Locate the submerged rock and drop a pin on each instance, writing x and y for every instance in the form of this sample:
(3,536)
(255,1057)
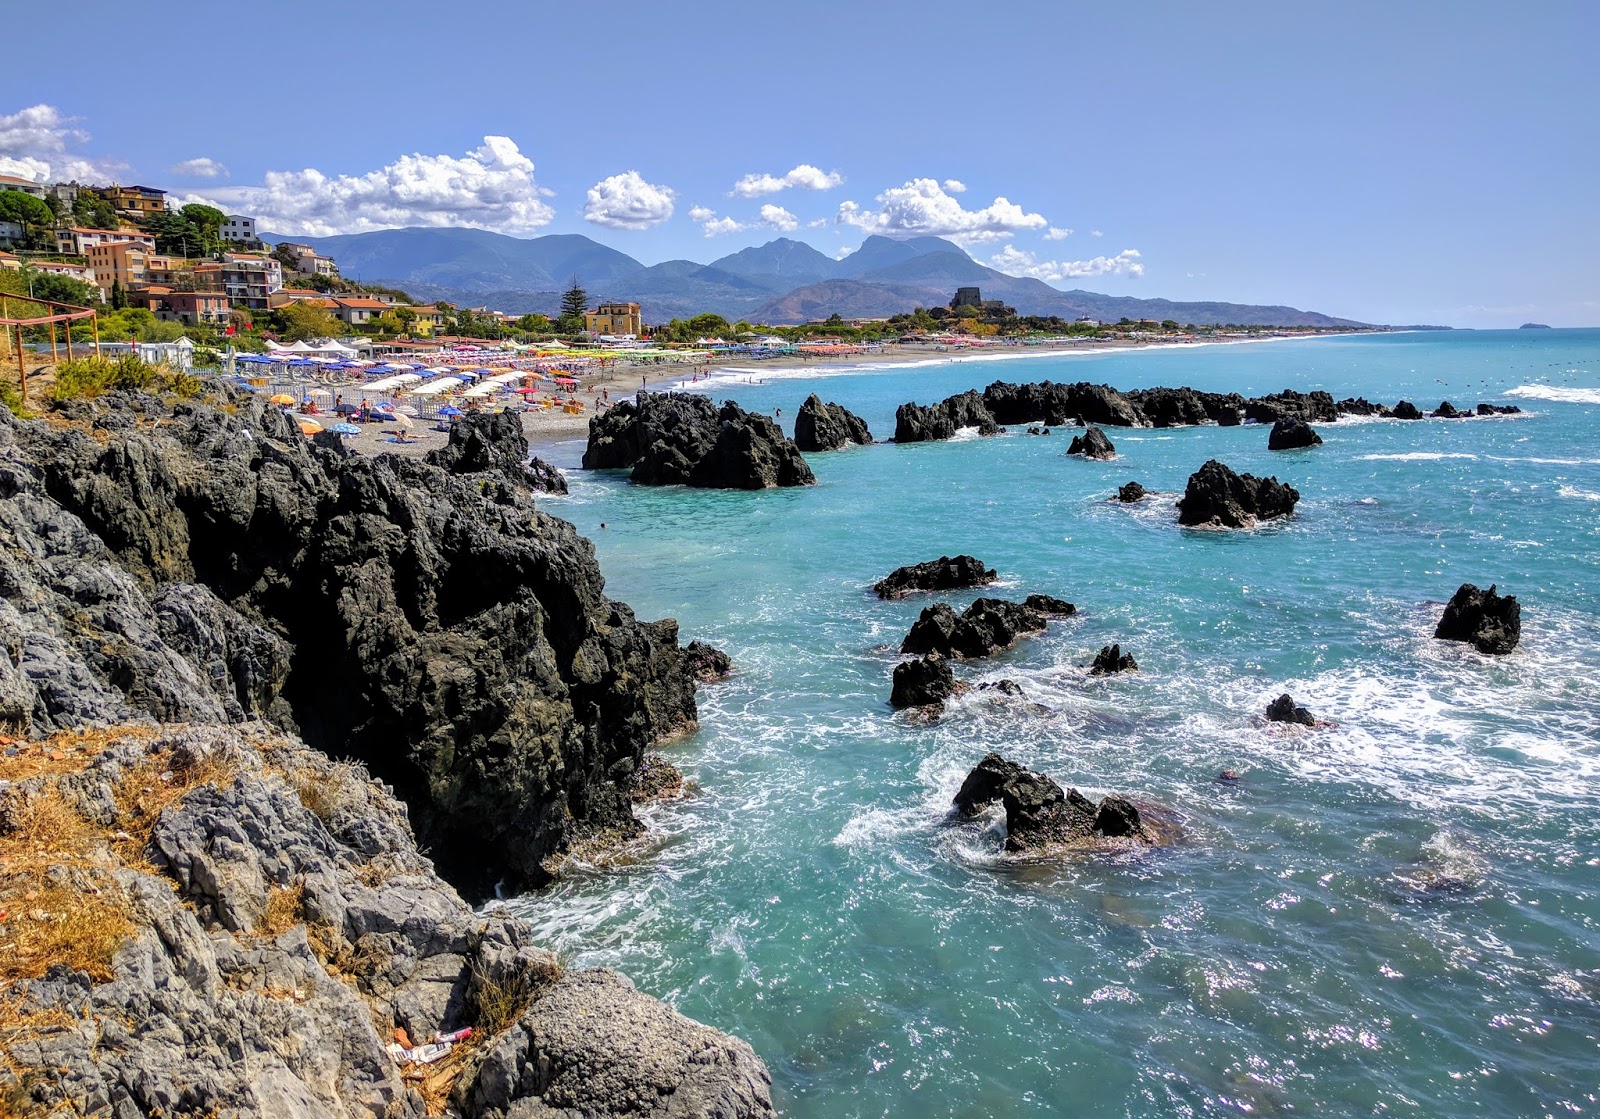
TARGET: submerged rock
(1283,710)
(1490,621)
(706,663)
(925,682)
(1130,492)
(985,627)
(1291,434)
(1041,816)
(828,427)
(946,573)
(684,439)
(1092,444)
(914,423)
(1111,659)
(1216,496)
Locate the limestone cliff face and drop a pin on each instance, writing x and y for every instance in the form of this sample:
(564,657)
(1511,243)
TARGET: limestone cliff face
(204,561)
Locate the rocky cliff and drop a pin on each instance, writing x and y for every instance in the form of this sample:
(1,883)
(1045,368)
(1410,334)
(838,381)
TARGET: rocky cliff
(683,439)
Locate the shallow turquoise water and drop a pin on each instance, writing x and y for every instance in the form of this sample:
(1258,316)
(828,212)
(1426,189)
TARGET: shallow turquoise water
(816,898)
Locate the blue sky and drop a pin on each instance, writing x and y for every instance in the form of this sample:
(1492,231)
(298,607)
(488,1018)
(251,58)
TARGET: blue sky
(1390,162)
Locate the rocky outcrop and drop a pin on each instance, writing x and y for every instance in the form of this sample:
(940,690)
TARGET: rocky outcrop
(926,682)
(1092,444)
(1043,818)
(706,663)
(1487,620)
(914,423)
(1111,660)
(262,932)
(1292,434)
(683,439)
(1361,406)
(828,427)
(1498,410)
(1129,492)
(1307,407)
(985,627)
(1283,710)
(1164,407)
(943,574)
(1050,606)
(204,562)
(494,443)
(1448,411)
(1405,410)
(1217,497)
(545,478)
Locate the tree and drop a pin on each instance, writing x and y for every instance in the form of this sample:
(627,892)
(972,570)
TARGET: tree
(35,217)
(574,302)
(93,211)
(406,317)
(59,289)
(119,298)
(303,322)
(207,221)
(534,323)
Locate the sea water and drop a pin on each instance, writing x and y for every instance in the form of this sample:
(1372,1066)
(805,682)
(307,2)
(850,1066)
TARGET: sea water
(1392,914)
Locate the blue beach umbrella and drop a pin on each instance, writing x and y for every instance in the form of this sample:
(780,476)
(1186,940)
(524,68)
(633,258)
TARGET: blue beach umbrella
(451,410)
(345,429)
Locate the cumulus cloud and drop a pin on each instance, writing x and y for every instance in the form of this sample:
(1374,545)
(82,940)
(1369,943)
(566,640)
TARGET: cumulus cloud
(203,167)
(1095,233)
(955,186)
(1056,233)
(44,144)
(1019,262)
(922,207)
(805,177)
(701,213)
(626,201)
(845,251)
(778,218)
(771,217)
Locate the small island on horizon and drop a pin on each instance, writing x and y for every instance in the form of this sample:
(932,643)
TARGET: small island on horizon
(1534,326)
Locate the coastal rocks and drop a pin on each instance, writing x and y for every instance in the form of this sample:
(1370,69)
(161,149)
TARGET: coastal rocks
(684,439)
(1361,406)
(494,442)
(1405,410)
(1111,660)
(1164,407)
(1290,434)
(1130,492)
(1050,606)
(988,625)
(943,574)
(706,663)
(1487,620)
(1043,818)
(1311,407)
(1092,444)
(1498,410)
(926,682)
(545,478)
(914,423)
(828,427)
(656,779)
(1217,497)
(1448,411)
(1283,710)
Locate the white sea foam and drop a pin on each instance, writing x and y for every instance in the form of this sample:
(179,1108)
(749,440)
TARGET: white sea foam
(1557,393)
(1581,495)
(1417,456)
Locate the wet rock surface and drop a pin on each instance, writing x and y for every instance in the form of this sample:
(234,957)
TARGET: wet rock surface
(1487,620)
(706,663)
(1405,410)
(1130,492)
(1092,444)
(925,682)
(1291,434)
(828,427)
(985,627)
(947,573)
(1217,497)
(1043,818)
(684,439)
(1111,660)
(1284,710)
(915,423)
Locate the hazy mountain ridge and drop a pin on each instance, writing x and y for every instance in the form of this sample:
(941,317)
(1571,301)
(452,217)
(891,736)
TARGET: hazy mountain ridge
(782,281)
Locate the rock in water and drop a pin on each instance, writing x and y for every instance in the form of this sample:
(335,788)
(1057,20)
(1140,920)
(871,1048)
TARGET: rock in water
(545,477)
(1041,816)
(1216,496)
(988,625)
(828,427)
(1290,434)
(925,682)
(1111,659)
(1448,411)
(1129,492)
(1498,410)
(1405,410)
(1283,710)
(1490,621)
(943,574)
(914,423)
(683,439)
(1092,444)
(706,663)
(1050,606)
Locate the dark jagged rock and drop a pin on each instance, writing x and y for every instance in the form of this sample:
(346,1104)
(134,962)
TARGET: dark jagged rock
(494,442)
(988,625)
(1092,444)
(265,884)
(1291,434)
(1498,410)
(1038,430)
(1111,659)
(684,439)
(1129,492)
(1164,407)
(828,427)
(1405,410)
(190,562)
(1217,496)
(925,682)
(1041,816)
(1050,606)
(544,477)
(1283,710)
(706,663)
(1004,687)
(1490,621)
(943,574)
(1448,411)
(656,779)
(1361,406)
(914,423)
(1308,407)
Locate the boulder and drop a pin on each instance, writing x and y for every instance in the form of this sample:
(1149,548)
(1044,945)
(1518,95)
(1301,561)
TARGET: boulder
(1092,444)
(828,427)
(544,477)
(706,663)
(925,682)
(985,627)
(1498,410)
(1004,687)
(1405,410)
(914,423)
(1448,411)
(1041,817)
(1283,710)
(1308,407)
(1036,430)
(946,573)
(1490,621)
(1361,406)
(684,439)
(487,442)
(1217,497)
(1050,606)
(1129,492)
(1291,434)
(1111,659)
(1164,407)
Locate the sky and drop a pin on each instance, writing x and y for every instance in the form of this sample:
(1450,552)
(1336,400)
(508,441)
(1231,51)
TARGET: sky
(1391,162)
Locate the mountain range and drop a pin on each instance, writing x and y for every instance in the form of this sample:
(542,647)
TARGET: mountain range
(781,282)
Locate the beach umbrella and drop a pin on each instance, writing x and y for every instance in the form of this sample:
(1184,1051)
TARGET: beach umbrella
(281,398)
(345,429)
(529,391)
(451,410)
(407,410)
(346,409)
(321,394)
(309,427)
(402,421)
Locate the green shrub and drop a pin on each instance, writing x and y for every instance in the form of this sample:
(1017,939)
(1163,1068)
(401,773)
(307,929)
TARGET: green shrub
(91,376)
(11,397)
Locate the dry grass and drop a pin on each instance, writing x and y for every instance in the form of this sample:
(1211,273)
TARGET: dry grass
(285,909)
(154,785)
(68,751)
(326,791)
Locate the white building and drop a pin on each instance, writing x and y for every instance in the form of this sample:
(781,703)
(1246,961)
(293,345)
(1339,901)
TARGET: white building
(236,227)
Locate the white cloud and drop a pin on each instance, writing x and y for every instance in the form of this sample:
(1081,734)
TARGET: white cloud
(819,223)
(922,207)
(203,167)
(1018,262)
(845,251)
(1095,233)
(1056,233)
(955,186)
(771,217)
(804,176)
(778,218)
(491,187)
(41,143)
(626,201)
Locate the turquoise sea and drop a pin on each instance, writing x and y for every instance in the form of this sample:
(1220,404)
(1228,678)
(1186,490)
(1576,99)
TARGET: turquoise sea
(1396,915)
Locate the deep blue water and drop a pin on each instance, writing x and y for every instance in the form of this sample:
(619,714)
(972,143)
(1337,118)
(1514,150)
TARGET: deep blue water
(817,899)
